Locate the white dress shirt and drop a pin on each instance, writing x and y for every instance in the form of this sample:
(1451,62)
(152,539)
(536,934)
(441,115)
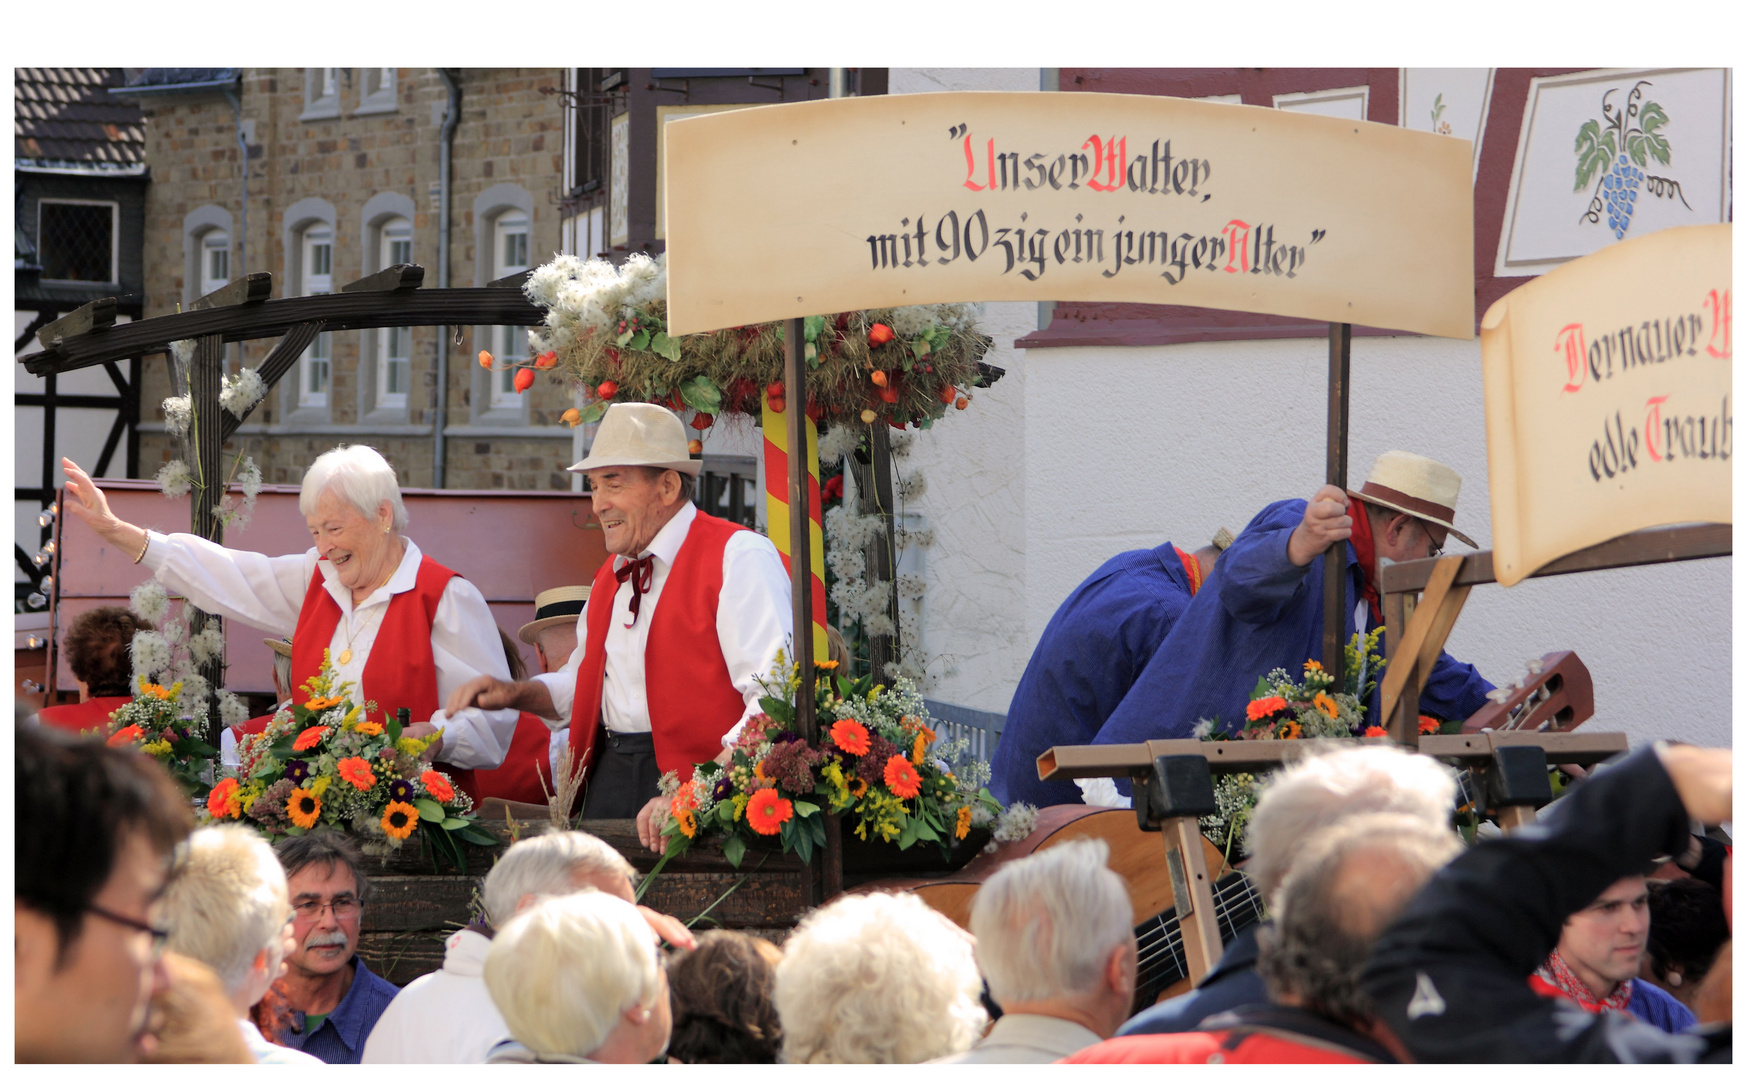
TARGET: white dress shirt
(267,592)
(753,621)
(444,1018)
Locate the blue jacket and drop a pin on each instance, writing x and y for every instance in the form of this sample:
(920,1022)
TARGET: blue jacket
(1654,1005)
(1101,637)
(340,1036)
(1254,613)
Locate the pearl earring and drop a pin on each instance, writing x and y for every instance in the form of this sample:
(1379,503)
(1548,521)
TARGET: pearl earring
(1674,978)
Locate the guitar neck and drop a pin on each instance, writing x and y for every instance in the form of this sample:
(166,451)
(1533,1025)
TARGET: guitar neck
(1162,960)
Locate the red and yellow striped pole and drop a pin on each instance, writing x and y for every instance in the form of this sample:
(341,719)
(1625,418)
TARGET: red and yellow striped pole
(776,501)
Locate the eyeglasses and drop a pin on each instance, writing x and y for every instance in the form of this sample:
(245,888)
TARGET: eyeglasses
(160,936)
(343,907)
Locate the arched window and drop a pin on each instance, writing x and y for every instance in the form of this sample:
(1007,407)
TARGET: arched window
(394,343)
(215,260)
(318,280)
(509,343)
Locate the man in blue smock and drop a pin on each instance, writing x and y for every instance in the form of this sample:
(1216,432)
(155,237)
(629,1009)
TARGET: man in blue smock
(1263,610)
(1095,645)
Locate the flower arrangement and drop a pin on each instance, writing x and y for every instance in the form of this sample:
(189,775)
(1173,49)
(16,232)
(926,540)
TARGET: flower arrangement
(323,763)
(606,327)
(878,762)
(156,723)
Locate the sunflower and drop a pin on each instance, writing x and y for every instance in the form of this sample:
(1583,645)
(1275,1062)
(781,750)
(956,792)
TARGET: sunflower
(857,787)
(1326,706)
(850,737)
(964,823)
(687,821)
(303,808)
(399,820)
(766,811)
(825,665)
(320,704)
(902,778)
(1291,729)
(368,727)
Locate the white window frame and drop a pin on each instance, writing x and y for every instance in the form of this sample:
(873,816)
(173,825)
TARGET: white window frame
(380,88)
(316,370)
(213,242)
(395,246)
(321,94)
(509,343)
(114,237)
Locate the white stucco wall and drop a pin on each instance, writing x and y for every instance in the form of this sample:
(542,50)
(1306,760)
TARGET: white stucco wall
(1080,453)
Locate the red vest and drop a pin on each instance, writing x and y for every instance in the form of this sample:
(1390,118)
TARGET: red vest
(402,674)
(528,761)
(692,699)
(83,717)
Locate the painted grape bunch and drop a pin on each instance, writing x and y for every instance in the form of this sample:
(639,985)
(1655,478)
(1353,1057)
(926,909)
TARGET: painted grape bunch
(1617,147)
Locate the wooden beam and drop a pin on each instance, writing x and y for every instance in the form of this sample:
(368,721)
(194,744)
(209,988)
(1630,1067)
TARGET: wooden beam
(1334,560)
(398,276)
(273,369)
(1402,663)
(95,316)
(275,318)
(245,290)
(513,281)
(1645,547)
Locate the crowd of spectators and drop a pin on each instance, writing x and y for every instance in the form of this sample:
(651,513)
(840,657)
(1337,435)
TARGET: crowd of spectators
(1601,934)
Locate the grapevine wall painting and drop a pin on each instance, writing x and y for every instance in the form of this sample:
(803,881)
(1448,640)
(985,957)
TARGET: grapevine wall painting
(1447,101)
(1605,156)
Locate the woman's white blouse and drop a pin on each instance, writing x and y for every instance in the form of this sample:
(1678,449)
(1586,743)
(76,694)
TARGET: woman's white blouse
(267,592)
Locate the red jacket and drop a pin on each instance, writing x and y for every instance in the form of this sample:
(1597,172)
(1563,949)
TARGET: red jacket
(83,717)
(1248,1035)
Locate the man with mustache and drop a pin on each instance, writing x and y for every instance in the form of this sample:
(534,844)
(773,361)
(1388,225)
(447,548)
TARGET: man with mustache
(682,623)
(335,999)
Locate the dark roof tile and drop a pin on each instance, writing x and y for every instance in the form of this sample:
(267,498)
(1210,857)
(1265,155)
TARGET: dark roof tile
(67,115)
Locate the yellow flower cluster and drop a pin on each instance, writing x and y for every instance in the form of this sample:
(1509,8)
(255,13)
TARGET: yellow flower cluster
(836,787)
(883,812)
(319,786)
(158,749)
(740,805)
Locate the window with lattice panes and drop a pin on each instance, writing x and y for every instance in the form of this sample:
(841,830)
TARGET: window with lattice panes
(510,343)
(394,343)
(75,240)
(318,280)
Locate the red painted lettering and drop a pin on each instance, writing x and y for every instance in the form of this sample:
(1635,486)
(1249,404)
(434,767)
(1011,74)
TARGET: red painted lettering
(1722,323)
(1653,421)
(1570,342)
(970,166)
(1237,246)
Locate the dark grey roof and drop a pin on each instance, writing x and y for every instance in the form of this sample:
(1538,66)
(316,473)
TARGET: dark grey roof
(66,116)
(168,77)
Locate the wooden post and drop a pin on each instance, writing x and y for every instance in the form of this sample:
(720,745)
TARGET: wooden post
(1193,890)
(1334,563)
(876,496)
(206,459)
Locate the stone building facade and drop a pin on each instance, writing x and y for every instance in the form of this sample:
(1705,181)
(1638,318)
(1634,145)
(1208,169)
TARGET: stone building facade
(342,169)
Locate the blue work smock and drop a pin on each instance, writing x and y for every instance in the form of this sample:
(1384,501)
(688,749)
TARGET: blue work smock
(1095,645)
(1257,612)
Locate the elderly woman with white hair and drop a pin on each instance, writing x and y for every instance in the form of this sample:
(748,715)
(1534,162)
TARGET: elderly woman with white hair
(363,584)
(579,979)
(229,908)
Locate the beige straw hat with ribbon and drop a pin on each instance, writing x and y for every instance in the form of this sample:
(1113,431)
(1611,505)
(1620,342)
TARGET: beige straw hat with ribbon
(639,433)
(1417,486)
(554,607)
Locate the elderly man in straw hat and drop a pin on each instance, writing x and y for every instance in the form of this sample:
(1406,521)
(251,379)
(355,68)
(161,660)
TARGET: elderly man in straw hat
(529,769)
(1263,609)
(684,618)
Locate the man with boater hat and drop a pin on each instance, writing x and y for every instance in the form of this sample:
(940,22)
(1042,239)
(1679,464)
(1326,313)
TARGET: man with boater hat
(683,620)
(528,770)
(1264,608)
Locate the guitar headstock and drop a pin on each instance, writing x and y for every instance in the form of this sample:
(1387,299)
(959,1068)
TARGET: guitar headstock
(1555,694)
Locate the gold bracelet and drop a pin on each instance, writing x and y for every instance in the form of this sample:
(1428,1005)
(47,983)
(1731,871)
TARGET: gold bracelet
(143,547)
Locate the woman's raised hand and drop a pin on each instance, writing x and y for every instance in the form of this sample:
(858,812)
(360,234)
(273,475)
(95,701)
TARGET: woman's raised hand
(90,505)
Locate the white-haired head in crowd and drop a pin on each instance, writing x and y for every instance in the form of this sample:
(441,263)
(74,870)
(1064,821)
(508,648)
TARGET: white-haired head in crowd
(1324,789)
(880,978)
(552,865)
(1058,926)
(360,476)
(580,977)
(228,908)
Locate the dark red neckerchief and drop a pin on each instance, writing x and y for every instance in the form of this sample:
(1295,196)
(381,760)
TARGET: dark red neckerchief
(1555,978)
(1192,567)
(1366,548)
(640,573)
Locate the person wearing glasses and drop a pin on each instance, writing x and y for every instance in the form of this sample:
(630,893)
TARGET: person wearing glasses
(1264,608)
(335,999)
(230,910)
(95,829)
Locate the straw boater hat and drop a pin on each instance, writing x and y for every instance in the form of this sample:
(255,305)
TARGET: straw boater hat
(639,433)
(282,646)
(554,607)
(1417,486)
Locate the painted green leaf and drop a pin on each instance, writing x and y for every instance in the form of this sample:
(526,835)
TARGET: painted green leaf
(1590,156)
(429,809)
(1635,148)
(1651,117)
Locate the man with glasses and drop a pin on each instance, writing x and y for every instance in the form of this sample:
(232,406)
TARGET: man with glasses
(1264,608)
(95,830)
(335,998)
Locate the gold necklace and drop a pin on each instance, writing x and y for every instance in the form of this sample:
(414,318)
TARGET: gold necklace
(352,634)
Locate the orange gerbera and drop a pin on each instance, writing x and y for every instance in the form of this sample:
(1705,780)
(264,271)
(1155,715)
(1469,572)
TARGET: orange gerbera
(825,665)
(126,735)
(304,808)
(1267,706)
(1326,705)
(1375,732)
(223,800)
(321,703)
(367,727)
(309,737)
(964,823)
(766,811)
(686,798)
(902,778)
(399,820)
(437,785)
(1428,725)
(357,772)
(850,737)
